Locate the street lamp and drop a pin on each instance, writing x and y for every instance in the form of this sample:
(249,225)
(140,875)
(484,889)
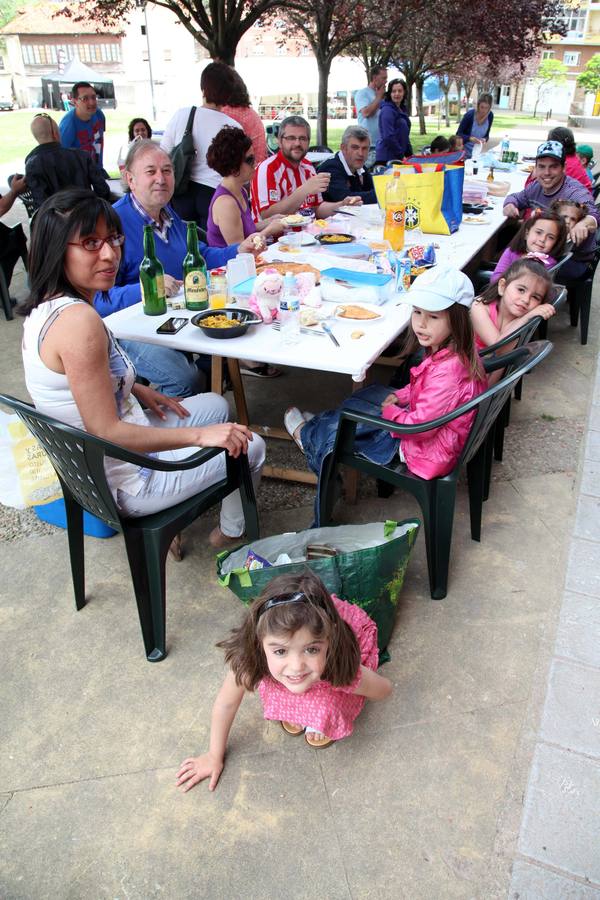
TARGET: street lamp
(141,4)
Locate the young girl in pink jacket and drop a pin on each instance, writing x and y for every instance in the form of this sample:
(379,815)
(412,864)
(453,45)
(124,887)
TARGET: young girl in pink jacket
(451,374)
(519,295)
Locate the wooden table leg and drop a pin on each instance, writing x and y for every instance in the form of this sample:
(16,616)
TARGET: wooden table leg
(216,374)
(350,476)
(238,391)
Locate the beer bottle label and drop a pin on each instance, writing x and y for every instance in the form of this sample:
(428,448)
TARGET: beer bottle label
(195,287)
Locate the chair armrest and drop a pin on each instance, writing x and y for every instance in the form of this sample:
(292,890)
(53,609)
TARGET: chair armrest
(519,353)
(379,422)
(163,465)
(561,291)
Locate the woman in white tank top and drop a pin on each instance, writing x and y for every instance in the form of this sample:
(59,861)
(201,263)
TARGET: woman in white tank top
(76,371)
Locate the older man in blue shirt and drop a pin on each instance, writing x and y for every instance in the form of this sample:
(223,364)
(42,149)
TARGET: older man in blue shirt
(149,174)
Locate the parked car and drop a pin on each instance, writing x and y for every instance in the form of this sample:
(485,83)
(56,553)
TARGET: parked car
(6,103)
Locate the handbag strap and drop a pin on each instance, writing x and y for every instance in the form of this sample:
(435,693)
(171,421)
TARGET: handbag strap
(190,121)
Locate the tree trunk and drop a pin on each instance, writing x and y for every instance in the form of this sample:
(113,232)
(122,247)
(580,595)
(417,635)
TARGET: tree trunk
(419,85)
(324,67)
(459,110)
(223,46)
(409,91)
(445,90)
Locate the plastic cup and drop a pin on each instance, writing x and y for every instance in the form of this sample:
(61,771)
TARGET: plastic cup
(294,241)
(217,296)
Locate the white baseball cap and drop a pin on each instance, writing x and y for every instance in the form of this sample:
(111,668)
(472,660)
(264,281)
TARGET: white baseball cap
(440,287)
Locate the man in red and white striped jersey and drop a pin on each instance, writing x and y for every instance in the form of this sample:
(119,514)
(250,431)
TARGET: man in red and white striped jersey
(287,182)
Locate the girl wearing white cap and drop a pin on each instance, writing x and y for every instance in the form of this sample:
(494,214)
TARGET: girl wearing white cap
(451,374)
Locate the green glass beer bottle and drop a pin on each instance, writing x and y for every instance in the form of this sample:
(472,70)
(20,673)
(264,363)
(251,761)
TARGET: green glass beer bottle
(152,278)
(195,287)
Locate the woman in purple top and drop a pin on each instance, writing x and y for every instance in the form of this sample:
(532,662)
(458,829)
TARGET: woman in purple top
(229,214)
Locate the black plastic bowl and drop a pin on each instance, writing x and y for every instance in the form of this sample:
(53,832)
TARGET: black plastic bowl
(241,320)
(325,239)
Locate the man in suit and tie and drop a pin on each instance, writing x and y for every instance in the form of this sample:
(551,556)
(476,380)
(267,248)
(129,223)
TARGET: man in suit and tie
(347,168)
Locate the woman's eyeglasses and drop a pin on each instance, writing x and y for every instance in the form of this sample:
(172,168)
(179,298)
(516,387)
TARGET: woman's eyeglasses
(93,245)
(250,160)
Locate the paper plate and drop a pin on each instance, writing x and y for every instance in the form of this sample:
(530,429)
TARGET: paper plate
(357,321)
(307,239)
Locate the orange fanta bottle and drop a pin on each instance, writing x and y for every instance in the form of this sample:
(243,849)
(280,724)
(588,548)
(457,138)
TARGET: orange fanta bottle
(395,207)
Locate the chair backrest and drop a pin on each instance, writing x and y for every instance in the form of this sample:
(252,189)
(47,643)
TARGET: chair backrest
(521,336)
(320,148)
(517,363)
(26,198)
(78,458)
(560,262)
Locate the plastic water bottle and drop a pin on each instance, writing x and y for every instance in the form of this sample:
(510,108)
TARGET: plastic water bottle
(289,311)
(504,148)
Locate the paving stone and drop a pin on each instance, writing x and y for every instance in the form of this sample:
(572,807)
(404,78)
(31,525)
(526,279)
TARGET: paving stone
(578,635)
(590,478)
(531,882)
(594,419)
(587,518)
(583,569)
(571,714)
(560,818)
(592,448)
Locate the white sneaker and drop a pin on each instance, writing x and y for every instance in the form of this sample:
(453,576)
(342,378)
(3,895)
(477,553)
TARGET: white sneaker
(293,421)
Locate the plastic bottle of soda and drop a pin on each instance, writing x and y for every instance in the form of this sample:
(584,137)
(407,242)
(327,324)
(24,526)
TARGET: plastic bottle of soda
(289,311)
(395,208)
(152,278)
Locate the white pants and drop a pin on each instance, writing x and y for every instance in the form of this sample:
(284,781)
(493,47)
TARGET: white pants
(164,489)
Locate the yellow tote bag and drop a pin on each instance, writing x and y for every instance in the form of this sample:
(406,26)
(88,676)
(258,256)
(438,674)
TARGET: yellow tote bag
(430,205)
(27,477)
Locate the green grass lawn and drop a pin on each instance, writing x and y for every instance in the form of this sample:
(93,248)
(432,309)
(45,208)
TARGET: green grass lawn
(17,140)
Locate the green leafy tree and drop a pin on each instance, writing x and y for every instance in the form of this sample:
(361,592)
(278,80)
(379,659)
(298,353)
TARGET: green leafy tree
(589,79)
(8,10)
(550,72)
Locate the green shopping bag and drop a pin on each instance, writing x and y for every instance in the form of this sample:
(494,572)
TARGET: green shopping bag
(368,569)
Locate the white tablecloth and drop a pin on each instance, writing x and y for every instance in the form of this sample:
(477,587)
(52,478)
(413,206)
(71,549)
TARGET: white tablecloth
(353,357)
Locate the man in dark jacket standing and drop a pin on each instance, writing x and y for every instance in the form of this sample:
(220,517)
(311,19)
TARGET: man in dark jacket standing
(50,167)
(348,175)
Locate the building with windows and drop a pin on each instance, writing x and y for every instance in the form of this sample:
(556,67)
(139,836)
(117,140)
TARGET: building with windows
(280,71)
(39,43)
(574,50)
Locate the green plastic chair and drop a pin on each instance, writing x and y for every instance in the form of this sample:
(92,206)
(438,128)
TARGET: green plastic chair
(580,297)
(436,496)
(78,458)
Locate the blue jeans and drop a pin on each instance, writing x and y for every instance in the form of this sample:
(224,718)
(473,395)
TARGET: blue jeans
(375,444)
(173,373)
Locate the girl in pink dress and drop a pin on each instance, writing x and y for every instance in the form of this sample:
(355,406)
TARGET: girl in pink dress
(312,658)
(519,295)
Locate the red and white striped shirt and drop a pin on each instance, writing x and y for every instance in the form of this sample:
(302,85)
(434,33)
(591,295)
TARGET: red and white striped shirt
(277,178)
